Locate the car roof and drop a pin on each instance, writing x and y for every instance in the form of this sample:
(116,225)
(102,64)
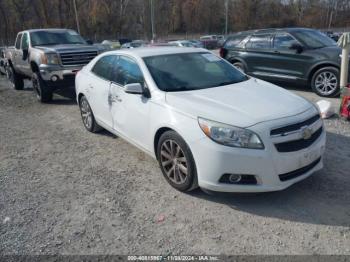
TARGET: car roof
(273,30)
(47,29)
(154,51)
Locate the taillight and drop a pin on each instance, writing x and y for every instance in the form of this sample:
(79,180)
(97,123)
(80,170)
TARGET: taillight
(223,52)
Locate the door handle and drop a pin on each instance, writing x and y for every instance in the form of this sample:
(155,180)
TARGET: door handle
(277,52)
(113,98)
(90,86)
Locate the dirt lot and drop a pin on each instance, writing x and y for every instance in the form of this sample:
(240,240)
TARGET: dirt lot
(64,190)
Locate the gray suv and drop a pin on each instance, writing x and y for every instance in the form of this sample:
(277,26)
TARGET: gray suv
(298,55)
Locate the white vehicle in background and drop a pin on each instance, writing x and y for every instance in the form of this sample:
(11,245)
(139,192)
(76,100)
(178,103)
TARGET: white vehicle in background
(207,124)
(182,43)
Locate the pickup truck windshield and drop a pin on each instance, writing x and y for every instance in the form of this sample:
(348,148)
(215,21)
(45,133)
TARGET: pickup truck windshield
(191,71)
(314,39)
(55,38)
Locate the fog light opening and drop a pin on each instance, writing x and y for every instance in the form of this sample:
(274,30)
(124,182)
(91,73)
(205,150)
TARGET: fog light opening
(234,178)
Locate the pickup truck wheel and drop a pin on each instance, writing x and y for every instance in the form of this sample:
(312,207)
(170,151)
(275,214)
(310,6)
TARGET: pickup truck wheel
(325,82)
(15,79)
(88,116)
(43,92)
(176,162)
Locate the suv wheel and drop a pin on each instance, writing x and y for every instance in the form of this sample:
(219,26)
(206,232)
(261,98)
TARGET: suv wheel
(239,66)
(176,162)
(43,92)
(15,79)
(87,116)
(325,82)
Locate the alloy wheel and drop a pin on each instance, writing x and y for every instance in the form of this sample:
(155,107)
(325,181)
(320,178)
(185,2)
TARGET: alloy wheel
(326,83)
(174,162)
(86,113)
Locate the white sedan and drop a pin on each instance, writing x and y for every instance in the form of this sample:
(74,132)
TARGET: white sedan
(207,124)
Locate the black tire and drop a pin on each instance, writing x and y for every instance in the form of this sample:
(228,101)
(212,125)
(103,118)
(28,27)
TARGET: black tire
(190,181)
(43,92)
(239,66)
(15,79)
(85,110)
(324,88)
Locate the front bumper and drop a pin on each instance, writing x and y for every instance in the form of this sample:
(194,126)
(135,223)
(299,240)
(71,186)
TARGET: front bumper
(214,160)
(58,76)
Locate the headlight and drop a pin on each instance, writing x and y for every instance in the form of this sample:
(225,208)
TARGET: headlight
(50,59)
(230,135)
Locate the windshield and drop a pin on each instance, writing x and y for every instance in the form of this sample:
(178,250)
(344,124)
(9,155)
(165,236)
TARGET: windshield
(191,71)
(314,39)
(56,38)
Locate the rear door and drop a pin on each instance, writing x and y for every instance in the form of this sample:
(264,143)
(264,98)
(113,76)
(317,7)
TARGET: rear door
(98,88)
(258,56)
(17,53)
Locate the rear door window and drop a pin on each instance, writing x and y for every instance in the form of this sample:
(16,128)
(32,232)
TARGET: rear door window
(234,41)
(103,67)
(261,41)
(18,41)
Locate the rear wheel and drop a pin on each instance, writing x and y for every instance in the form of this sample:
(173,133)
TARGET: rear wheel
(325,82)
(87,116)
(43,92)
(176,162)
(15,79)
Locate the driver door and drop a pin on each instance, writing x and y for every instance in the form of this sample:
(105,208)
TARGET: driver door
(130,112)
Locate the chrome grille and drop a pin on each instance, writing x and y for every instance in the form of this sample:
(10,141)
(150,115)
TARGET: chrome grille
(77,58)
(297,136)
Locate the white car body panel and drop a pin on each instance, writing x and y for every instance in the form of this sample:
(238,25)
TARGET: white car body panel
(256,104)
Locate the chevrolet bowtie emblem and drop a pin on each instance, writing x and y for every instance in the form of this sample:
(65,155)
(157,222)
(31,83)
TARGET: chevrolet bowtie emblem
(306,132)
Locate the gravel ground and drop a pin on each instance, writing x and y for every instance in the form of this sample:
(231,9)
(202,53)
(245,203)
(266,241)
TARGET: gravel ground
(66,191)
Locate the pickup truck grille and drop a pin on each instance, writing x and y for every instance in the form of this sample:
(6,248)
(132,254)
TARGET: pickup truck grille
(77,58)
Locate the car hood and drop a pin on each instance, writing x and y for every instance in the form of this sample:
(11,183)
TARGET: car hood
(68,48)
(242,104)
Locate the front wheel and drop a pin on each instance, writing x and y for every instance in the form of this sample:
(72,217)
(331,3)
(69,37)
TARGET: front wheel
(43,92)
(176,162)
(325,82)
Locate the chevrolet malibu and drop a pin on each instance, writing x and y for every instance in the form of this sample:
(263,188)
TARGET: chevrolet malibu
(207,123)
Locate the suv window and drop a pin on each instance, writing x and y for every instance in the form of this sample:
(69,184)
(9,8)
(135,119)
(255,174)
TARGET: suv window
(103,67)
(259,41)
(18,41)
(126,71)
(283,41)
(234,41)
(25,42)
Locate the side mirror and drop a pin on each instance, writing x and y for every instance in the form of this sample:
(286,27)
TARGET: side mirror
(89,42)
(25,54)
(297,47)
(134,88)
